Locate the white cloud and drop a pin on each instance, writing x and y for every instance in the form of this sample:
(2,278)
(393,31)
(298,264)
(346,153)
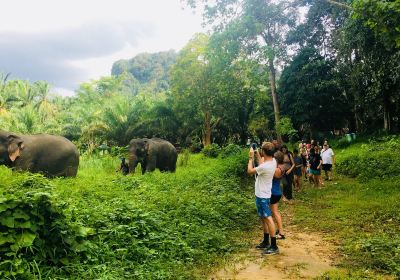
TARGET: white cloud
(68,42)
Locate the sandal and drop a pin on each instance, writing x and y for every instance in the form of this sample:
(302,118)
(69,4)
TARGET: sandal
(279,236)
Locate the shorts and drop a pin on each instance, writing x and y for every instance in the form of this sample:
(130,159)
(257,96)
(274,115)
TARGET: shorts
(275,199)
(297,171)
(315,171)
(263,207)
(327,167)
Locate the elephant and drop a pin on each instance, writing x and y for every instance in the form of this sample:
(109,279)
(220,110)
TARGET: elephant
(53,156)
(151,154)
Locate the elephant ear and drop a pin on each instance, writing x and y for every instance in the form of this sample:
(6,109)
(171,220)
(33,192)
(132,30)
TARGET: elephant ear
(15,146)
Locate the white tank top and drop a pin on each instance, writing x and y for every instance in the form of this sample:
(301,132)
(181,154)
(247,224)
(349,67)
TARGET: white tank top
(265,173)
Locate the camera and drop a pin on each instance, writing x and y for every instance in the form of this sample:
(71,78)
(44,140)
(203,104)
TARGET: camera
(254,146)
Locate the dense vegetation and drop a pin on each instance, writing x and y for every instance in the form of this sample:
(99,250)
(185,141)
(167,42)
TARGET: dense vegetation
(261,73)
(309,77)
(147,70)
(102,225)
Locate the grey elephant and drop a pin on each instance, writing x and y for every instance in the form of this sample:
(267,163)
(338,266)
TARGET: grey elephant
(151,154)
(53,156)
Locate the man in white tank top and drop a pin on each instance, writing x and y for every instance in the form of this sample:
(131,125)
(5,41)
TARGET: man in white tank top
(265,173)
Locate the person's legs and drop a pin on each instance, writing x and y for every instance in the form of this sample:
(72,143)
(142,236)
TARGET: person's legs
(299,185)
(263,212)
(326,174)
(317,180)
(289,188)
(321,181)
(263,208)
(284,187)
(278,218)
(329,172)
(273,248)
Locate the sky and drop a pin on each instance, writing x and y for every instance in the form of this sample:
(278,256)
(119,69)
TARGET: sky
(67,42)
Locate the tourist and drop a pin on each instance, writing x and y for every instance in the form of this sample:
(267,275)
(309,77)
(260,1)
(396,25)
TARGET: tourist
(315,163)
(328,159)
(277,194)
(287,180)
(298,165)
(263,187)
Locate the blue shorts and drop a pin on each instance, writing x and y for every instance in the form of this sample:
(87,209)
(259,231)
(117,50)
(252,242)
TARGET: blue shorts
(263,207)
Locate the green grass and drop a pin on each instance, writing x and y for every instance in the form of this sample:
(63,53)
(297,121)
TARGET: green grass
(157,226)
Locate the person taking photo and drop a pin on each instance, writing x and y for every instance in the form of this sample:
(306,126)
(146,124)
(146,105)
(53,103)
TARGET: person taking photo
(265,172)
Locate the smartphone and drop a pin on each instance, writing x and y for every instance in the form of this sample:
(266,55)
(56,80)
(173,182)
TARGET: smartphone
(254,146)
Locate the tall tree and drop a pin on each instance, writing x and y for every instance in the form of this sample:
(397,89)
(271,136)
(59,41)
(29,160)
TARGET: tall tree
(192,85)
(261,27)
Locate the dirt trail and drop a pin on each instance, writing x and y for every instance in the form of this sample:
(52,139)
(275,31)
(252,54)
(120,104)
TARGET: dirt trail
(302,256)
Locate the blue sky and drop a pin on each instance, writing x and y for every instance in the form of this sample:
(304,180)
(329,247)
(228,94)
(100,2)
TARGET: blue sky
(69,42)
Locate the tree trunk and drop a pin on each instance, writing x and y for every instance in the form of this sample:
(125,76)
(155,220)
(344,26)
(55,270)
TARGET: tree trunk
(386,115)
(207,129)
(272,82)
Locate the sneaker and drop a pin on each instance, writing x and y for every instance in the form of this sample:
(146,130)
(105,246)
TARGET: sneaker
(262,245)
(271,251)
(279,236)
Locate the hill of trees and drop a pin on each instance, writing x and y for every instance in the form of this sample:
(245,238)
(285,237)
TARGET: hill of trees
(148,69)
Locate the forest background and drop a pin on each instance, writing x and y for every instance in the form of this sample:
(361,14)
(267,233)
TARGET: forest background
(300,69)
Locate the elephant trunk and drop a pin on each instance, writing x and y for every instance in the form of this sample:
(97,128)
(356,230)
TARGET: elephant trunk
(133,162)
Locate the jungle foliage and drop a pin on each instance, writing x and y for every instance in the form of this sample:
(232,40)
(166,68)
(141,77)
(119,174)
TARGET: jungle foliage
(102,225)
(261,61)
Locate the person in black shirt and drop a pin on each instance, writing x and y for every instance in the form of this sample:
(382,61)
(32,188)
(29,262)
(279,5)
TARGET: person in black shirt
(315,162)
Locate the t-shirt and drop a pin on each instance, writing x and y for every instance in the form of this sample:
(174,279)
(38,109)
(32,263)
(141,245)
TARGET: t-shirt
(327,156)
(314,161)
(297,161)
(265,172)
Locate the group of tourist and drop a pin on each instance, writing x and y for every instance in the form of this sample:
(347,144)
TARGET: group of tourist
(274,164)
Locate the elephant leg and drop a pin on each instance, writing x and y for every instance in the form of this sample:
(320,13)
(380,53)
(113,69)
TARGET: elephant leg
(143,165)
(151,164)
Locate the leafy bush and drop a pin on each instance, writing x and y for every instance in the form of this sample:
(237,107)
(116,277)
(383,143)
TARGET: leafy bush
(231,149)
(34,228)
(372,160)
(236,165)
(212,150)
(342,143)
(184,158)
(196,147)
(285,127)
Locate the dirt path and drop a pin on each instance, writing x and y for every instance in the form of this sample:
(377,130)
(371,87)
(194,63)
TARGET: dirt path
(302,256)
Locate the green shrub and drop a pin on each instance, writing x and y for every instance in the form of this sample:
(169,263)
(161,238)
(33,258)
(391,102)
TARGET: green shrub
(212,150)
(184,157)
(342,143)
(196,147)
(236,165)
(231,149)
(372,160)
(34,228)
